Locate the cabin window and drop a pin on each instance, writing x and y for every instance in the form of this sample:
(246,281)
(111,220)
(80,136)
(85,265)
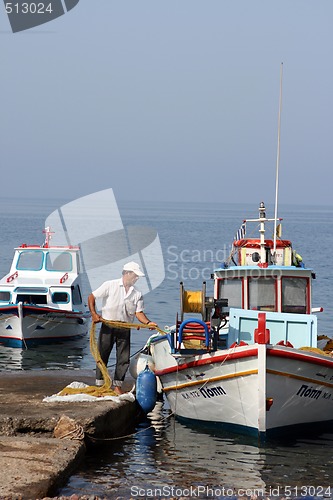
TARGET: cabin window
(58,261)
(77,297)
(60,298)
(262,294)
(31,295)
(31,299)
(30,260)
(4,296)
(231,289)
(294,295)
(30,290)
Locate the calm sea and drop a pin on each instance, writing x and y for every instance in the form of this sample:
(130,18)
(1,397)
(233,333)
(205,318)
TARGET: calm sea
(165,458)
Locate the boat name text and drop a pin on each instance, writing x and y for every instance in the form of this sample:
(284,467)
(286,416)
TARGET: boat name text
(308,392)
(211,392)
(206,392)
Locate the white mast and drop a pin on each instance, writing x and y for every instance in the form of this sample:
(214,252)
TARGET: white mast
(277,162)
(262,220)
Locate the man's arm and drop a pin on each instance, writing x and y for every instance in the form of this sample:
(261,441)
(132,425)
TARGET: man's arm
(96,318)
(143,319)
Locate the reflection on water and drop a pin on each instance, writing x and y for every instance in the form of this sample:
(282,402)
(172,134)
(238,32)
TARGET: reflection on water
(69,355)
(62,355)
(165,458)
(163,452)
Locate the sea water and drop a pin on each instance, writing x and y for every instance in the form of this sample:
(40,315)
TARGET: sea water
(164,458)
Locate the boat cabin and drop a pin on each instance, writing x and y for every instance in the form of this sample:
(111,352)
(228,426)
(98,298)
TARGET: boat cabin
(274,288)
(43,276)
(263,274)
(260,276)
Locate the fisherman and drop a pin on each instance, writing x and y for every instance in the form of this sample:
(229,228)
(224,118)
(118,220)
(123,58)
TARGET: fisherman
(120,302)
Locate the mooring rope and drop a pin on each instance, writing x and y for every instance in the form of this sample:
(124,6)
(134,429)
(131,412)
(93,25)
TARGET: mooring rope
(133,433)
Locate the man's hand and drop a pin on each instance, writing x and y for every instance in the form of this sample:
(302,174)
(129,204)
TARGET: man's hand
(96,318)
(146,321)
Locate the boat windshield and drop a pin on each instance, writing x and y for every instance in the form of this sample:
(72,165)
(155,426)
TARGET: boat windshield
(294,295)
(262,294)
(231,289)
(30,260)
(58,261)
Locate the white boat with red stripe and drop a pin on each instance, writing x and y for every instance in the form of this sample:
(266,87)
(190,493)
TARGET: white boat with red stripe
(41,296)
(249,361)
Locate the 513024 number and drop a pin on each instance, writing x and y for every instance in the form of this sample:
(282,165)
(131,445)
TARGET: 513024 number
(28,8)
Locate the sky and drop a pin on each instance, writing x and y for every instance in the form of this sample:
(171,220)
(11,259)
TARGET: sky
(172,100)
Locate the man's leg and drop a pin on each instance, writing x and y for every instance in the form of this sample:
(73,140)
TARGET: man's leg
(122,337)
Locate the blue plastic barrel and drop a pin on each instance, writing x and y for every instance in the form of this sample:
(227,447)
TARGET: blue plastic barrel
(146,390)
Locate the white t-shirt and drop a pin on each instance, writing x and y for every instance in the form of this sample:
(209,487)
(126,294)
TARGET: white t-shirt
(117,305)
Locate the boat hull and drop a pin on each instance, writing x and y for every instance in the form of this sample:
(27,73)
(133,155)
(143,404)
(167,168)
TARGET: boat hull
(255,389)
(21,326)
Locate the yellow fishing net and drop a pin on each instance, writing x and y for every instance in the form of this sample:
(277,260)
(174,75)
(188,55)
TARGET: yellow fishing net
(105,389)
(313,349)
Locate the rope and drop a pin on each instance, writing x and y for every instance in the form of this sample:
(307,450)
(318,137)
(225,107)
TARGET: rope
(92,390)
(105,389)
(123,324)
(77,434)
(129,435)
(192,301)
(67,428)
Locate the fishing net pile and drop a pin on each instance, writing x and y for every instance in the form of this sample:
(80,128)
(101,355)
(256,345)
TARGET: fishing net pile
(325,349)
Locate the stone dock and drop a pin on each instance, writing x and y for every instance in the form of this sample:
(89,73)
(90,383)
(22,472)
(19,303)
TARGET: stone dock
(33,462)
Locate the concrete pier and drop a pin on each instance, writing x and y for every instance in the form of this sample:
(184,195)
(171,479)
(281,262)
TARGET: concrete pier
(34,463)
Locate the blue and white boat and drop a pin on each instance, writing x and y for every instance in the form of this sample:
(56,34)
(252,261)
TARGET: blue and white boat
(41,296)
(248,358)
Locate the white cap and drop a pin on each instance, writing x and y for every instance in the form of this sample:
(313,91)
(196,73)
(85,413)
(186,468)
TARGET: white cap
(134,267)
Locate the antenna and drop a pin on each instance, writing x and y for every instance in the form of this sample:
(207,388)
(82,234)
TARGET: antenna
(277,161)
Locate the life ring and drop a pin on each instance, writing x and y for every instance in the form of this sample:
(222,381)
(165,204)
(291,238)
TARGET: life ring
(255,243)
